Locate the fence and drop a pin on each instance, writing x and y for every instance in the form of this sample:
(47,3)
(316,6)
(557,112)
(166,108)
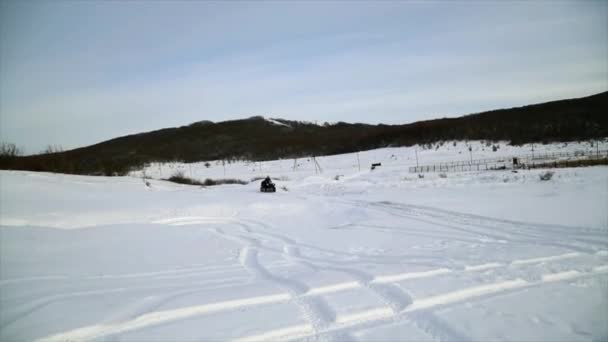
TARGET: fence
(553,159)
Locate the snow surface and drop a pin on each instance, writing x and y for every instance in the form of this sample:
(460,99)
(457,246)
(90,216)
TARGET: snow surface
(275,122)
(345,254)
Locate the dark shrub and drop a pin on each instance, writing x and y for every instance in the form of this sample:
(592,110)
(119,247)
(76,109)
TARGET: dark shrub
(179,178)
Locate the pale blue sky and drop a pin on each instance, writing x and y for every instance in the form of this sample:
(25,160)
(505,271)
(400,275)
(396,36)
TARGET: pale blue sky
(77,73)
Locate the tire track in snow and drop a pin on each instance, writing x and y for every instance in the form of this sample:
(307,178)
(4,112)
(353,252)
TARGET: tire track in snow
(419,260)
(537,232)
(374,317)
(161,317)
(314,309)
(341,322)
(483,221)
(436,327)
(393,296)
(390,294)
(496,229)
(290,250)
(445,234)
(5,282)
(29,308)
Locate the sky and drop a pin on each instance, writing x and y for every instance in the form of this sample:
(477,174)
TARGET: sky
(74,73)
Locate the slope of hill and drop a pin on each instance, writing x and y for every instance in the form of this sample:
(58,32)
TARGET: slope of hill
(257,138)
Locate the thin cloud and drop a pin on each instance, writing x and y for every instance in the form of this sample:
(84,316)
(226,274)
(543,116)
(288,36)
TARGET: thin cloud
(85,72)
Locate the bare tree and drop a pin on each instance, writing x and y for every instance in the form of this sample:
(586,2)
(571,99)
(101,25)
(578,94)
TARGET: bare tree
(9,150)
(52,149)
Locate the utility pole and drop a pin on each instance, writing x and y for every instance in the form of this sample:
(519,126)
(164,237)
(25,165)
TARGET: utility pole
(471,153)
(532,151)
(318,169)
(358,162)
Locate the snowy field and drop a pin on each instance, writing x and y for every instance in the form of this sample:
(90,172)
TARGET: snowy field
(343,254)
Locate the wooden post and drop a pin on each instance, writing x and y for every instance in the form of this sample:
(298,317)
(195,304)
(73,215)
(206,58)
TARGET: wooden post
(359,162)
(317,164)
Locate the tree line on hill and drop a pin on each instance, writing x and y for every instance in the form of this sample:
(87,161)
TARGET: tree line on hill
(256,138)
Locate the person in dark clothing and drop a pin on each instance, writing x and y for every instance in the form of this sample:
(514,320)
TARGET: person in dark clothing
(267,185)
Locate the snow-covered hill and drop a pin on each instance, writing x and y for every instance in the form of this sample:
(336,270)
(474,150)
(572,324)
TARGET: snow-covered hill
(342,254)
(397,159)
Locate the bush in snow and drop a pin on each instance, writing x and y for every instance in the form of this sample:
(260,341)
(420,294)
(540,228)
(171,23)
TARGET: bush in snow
(546,176)
(180,178)
(210,182)
(443,175)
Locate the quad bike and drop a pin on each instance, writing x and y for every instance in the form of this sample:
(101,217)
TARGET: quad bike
(268,187)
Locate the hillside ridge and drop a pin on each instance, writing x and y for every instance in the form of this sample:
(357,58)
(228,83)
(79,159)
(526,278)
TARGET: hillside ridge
(264,138)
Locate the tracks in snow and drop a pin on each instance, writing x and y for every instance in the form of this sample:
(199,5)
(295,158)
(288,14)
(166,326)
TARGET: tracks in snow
(418,311)
(314,309)
(341,322)
(581,239)
(321,319)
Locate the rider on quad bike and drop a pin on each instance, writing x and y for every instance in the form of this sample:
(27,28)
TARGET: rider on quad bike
(267,185)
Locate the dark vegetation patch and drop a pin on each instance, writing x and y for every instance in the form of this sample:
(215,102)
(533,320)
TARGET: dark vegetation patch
(211,182)
(180,178)
(257,139)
